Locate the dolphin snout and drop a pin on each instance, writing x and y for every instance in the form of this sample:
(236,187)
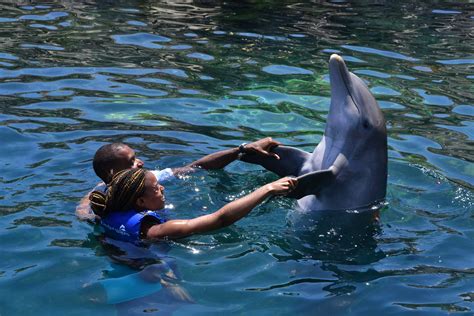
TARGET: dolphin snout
(339,76)
(336,57)
(338,68)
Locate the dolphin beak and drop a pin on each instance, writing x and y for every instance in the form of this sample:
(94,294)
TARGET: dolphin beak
(339,75)
(341,84)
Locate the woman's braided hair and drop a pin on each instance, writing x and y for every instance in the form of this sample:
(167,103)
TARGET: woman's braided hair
(122,192)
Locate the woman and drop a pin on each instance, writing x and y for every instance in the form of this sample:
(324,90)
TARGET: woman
(128,208)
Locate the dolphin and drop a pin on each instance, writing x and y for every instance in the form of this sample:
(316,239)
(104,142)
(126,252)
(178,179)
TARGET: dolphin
(348,168)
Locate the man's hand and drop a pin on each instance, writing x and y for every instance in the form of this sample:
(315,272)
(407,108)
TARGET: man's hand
(262,147)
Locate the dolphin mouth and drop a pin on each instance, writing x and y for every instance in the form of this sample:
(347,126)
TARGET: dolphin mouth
(339,72)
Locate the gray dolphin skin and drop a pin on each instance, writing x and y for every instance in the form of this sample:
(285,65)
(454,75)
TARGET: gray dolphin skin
(348,168)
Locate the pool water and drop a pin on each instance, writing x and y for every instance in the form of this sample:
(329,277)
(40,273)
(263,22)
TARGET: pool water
(181,79)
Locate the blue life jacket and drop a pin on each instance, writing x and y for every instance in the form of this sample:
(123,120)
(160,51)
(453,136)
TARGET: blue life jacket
(126,225)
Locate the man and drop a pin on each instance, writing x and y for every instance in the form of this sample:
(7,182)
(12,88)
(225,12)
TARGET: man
(112,158)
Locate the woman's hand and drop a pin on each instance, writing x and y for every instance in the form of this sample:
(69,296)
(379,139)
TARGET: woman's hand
(282,186)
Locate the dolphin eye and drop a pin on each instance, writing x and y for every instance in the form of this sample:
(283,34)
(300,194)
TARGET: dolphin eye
(365,124)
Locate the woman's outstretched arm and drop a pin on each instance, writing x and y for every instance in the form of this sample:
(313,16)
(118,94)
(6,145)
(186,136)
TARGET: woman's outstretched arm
(227,215)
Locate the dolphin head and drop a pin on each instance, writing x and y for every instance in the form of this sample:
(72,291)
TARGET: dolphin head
(354,112)
(355,131)
(348,168)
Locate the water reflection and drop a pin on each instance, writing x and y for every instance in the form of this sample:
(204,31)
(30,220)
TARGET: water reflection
(347,237)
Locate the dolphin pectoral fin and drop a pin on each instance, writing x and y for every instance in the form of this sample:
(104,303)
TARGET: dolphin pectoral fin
(313,182)
(290,162)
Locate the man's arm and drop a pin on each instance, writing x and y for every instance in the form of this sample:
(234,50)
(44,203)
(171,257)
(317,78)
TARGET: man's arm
(222,158)
(83,209)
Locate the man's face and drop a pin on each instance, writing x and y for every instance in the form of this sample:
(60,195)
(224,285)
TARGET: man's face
(127,160)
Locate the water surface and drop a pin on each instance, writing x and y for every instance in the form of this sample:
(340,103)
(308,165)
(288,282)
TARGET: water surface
(180,80)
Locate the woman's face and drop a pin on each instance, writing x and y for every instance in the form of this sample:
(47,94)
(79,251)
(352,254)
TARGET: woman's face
(153,198)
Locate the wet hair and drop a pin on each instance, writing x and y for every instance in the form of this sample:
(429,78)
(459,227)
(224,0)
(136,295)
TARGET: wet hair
(106,158)
(122,192)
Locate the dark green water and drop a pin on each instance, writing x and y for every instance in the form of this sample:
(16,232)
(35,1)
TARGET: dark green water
(180,80)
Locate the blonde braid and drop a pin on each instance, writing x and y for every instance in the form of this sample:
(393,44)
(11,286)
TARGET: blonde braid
(98,202)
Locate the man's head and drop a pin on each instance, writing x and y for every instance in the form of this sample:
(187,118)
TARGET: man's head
(112,158)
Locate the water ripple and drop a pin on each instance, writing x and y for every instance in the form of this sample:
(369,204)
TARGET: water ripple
(456,61)
(434,99)
(201,56)
(438,11)
(383,53)
(286,70)
(43,46)
(46,17)
(141,39)
(43,26)
(7,20)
